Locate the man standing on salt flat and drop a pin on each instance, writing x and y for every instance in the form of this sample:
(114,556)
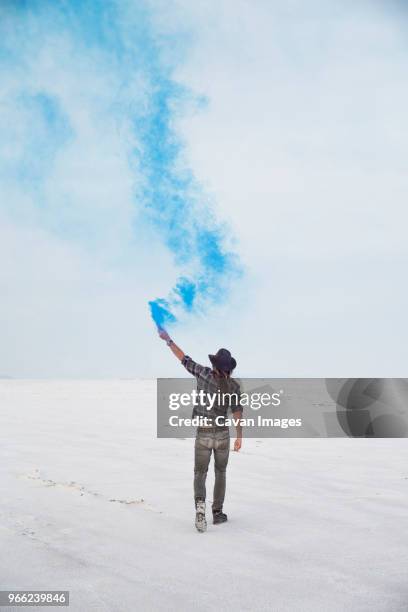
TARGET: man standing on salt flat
(215,437)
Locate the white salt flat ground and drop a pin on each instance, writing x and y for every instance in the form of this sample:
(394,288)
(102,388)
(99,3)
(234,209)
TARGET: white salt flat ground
(92,502)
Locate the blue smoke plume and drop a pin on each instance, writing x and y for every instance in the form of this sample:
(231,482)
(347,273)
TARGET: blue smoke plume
(176,204)
(127,44)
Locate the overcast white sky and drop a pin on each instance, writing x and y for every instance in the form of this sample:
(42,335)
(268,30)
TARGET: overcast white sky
(302,148)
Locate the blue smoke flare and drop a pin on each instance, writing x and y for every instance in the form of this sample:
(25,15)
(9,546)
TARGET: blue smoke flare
(120,41)
(176,205)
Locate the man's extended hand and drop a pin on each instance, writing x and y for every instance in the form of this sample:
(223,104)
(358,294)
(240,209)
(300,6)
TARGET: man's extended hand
(163,334)
(237,444)
(173,346)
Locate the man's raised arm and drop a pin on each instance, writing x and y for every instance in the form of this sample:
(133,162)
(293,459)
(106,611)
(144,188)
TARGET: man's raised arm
(191,366)
(173,346)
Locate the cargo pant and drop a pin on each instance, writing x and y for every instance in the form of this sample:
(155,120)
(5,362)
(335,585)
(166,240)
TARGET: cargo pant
(206,442)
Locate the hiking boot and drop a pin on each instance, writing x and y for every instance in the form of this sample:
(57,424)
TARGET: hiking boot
(219,517)
(200,520)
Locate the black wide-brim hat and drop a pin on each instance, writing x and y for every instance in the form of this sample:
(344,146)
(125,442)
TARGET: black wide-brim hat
(223,360)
